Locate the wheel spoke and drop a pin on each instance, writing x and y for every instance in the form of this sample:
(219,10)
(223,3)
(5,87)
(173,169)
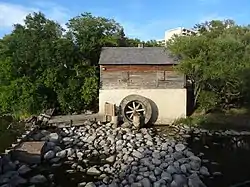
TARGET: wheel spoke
(131,116)
(134,105)
(140,110)
(129,112)
(130,107)
(138,106)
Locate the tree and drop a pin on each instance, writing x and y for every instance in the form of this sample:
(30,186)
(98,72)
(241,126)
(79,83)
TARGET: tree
(41,68)
(151,43)
(122,40)
(214,61)
(91,33)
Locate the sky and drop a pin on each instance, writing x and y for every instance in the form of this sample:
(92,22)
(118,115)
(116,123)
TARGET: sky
(143,19)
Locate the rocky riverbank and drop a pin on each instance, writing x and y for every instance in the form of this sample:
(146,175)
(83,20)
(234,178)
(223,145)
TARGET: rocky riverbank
(107,156)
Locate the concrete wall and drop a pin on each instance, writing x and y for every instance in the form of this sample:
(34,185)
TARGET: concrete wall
(169,104)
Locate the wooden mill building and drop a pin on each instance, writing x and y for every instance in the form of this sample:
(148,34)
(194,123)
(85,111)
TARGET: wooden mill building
(142,79)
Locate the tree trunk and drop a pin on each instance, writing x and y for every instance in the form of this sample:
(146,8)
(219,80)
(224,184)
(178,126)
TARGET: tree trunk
(197,90)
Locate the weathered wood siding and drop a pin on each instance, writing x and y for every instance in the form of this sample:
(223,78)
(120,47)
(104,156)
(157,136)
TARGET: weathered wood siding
(140,77)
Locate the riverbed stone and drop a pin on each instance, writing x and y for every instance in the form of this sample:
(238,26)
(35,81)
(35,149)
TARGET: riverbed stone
(177,155)
(204,171)
(90,184)
(111,159)
(17,180)
(180,147)
(24,169)
(166,176)
(5,178)
(49,155)
(93,171)
(137,154)
(171,169)
(183,168)
(38,179)
(8,166)
(195,181)
(157,162)
(145,182)
(53,137)
(127,157)
(180,179)
(152,178)
(157,171)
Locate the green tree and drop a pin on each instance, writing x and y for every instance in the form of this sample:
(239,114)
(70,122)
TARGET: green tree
(151,43)
(91,33)
(122,39)
(214,61)
(41,68)
(44,66)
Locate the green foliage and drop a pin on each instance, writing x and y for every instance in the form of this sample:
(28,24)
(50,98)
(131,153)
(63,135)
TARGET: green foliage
(216,61)
(134,43)
(208,100)
(91,33)
(39,69)
(44,66)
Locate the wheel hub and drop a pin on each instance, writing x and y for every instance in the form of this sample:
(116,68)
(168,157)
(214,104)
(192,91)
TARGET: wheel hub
(132,108)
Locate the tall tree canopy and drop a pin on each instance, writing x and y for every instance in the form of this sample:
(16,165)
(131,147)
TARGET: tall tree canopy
(43,66)
(90,33)
(40,68)
(216,60)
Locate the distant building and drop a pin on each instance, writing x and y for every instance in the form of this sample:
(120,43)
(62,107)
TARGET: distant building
(179,31)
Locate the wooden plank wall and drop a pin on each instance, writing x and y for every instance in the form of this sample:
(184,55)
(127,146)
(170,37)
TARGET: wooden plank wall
(140,77)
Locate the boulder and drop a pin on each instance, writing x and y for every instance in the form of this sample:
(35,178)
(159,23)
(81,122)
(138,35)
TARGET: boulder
(61,154)
(38,179)
(53,137)
(49,155)
(23,170)
(195,181)
(93,171)
(180,147)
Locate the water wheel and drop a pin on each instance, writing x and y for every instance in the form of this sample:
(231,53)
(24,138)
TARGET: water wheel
(136,103)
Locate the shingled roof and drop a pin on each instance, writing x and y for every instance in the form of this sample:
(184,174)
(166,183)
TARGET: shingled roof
(135,55)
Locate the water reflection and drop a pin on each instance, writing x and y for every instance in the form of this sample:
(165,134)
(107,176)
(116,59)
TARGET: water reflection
(228,157)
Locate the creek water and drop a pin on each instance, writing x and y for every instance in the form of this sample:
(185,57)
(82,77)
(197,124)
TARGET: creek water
(9,131)
(229,155)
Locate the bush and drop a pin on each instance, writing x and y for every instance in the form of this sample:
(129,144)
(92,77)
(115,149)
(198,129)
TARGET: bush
(208,100)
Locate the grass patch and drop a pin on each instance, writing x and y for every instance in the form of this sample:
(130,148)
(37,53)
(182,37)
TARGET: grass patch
(237,119)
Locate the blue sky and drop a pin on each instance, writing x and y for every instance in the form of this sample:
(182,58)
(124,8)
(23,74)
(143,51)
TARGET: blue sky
(144,19)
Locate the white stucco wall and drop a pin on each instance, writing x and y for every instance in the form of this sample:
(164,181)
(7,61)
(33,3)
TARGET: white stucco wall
(171,103)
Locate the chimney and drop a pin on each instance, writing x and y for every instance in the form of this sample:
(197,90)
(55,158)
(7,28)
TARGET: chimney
(140,45)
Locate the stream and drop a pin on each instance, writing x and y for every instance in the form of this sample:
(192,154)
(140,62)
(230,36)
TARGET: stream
(226,154)
(9,131)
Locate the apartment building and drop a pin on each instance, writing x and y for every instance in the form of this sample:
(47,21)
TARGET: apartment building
(180,31)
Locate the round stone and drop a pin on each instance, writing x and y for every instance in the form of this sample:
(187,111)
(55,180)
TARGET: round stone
(180,147)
